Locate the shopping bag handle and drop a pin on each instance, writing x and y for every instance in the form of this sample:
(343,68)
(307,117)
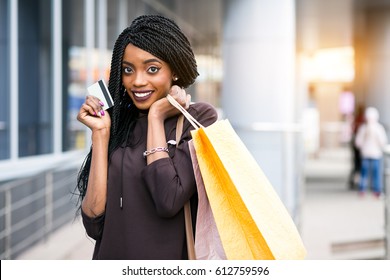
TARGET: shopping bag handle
(185,113)
(187,206)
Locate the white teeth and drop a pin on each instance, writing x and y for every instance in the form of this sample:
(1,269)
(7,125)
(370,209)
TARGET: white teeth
(140,95)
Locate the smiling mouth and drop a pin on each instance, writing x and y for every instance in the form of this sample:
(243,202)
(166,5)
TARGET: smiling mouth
(142,94)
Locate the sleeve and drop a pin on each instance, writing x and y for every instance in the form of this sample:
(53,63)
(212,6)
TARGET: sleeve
(93,226)
(171,181)
(359,136)
(383,136)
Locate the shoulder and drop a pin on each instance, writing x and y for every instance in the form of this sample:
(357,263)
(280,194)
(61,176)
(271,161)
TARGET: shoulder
(204,112)
(202,108)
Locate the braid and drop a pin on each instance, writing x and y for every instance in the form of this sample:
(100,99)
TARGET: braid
(123,115)
(162,38)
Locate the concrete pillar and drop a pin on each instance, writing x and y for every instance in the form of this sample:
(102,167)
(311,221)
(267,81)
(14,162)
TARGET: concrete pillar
(258,86)
(377,61)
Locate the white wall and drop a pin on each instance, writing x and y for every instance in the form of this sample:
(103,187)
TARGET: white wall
(258,85)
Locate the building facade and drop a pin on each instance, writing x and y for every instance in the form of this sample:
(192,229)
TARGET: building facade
(252,57)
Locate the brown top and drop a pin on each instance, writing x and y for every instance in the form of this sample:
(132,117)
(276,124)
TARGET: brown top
(150,225)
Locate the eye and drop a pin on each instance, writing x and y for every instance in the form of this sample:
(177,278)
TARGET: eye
(127,70)
(153,69)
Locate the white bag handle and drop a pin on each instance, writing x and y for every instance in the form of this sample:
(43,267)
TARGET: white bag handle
(187,115)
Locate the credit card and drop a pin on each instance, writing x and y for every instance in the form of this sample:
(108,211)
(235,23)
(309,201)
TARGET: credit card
(100,90)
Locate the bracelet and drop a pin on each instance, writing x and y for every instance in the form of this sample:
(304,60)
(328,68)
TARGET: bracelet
(155,150)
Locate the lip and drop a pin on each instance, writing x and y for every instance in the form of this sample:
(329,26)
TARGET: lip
(142,95)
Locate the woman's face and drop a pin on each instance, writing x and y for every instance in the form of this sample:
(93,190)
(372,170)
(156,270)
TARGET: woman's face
(145,77)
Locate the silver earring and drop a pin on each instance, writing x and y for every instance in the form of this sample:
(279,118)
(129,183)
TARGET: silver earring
(175,78)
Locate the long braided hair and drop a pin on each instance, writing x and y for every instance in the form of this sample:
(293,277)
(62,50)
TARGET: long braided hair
(162,38)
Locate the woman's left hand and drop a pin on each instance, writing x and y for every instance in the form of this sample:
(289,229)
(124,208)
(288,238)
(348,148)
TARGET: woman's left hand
(163,109)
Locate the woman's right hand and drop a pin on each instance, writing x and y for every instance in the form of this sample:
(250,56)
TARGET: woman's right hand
(93,116)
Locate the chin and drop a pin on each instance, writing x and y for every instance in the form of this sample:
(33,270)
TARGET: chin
(142,107)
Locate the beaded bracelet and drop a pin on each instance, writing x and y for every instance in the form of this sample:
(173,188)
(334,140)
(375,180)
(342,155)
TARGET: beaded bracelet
(155,150)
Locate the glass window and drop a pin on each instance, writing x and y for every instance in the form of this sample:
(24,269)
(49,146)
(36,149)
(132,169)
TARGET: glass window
(4,82)
(74,73)
(35,96)
(75,58)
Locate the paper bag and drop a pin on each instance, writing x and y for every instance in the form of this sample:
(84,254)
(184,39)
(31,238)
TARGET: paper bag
(208,245)
(251,219)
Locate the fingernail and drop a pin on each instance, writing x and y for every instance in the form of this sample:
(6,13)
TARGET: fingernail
(101,103)
(95,114)
(102,112)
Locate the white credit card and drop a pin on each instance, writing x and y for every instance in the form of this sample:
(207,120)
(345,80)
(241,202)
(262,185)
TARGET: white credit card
(100,90)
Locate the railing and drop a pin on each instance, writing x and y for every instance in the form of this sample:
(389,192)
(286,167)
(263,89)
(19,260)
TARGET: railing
(34,207)
(386,190)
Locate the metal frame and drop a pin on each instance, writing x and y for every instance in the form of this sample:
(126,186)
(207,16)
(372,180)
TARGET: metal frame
(14,86)
(386,190)
(45,192)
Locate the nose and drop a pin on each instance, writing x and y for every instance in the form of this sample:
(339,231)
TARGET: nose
(140,79)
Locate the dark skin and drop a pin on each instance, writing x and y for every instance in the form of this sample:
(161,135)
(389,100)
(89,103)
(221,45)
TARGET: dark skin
(147,79)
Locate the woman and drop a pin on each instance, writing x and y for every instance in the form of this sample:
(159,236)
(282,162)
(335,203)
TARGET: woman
(371,139)
(133,185)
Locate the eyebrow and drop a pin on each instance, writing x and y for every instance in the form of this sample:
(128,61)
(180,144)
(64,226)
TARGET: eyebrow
(145,62)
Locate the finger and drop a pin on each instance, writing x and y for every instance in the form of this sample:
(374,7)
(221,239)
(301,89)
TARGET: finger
(188,101)
(88,110)
(179,94)
(96,105)
(83,113)
(174,90)
(182,96)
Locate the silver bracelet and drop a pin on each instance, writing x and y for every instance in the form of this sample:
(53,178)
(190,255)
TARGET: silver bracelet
(155,150)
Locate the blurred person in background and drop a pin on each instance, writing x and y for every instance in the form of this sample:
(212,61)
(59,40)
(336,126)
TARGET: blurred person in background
(354,177)
(134,183)
(371,139)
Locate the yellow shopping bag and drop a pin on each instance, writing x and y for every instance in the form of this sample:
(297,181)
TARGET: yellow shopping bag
(251,219)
